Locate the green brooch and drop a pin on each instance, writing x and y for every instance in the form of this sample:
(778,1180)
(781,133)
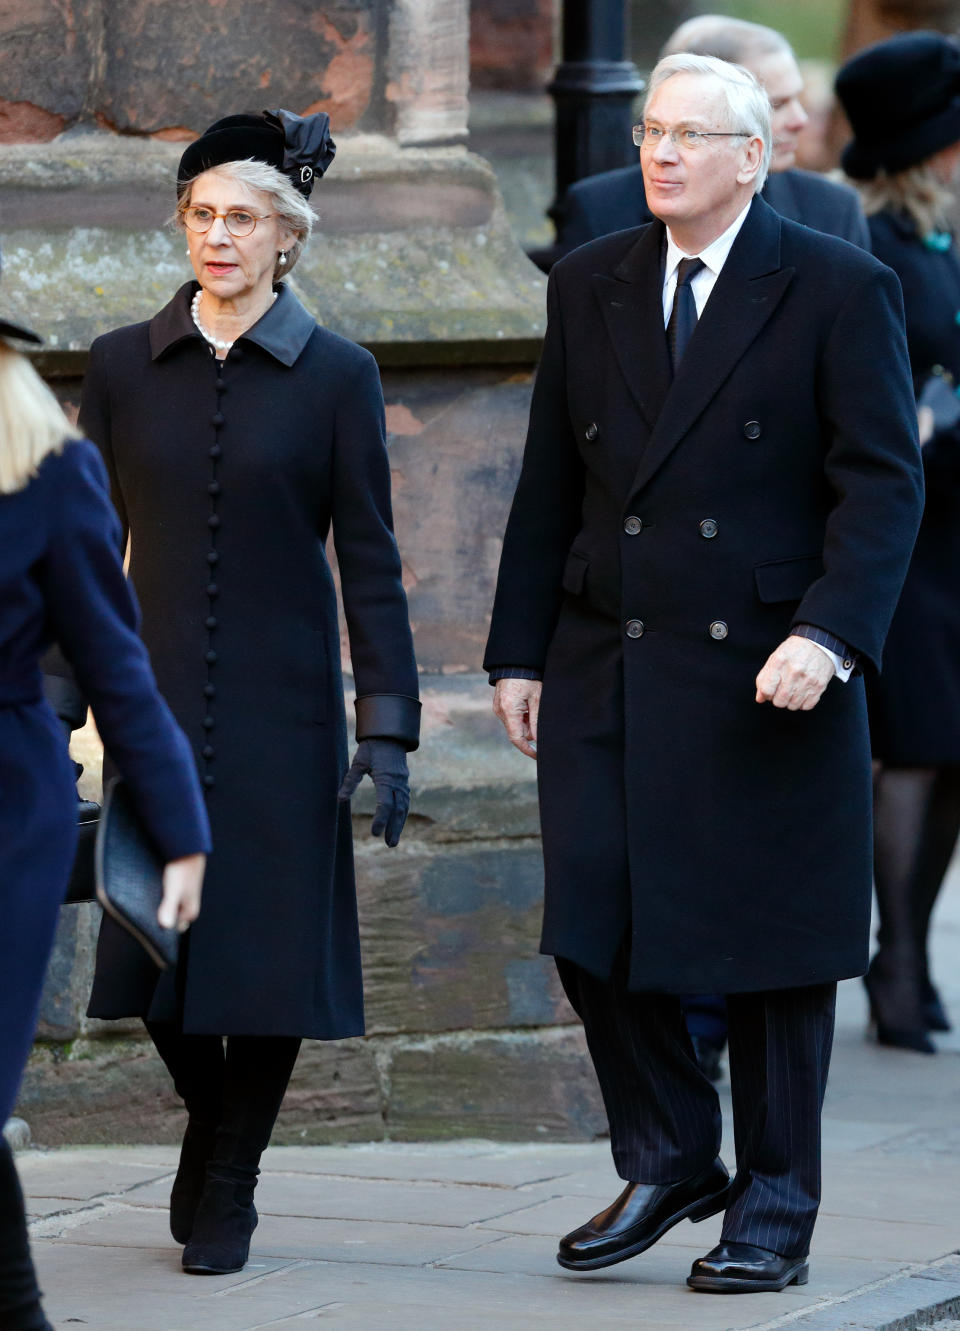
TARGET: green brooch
(938,241)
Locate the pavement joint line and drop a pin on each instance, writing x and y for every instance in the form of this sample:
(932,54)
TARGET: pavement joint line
(306,1314)
(441,1263)
(242,1286)
(908,1272)
(45,1227)
(377,1220)
(400,1182)
(513,1211)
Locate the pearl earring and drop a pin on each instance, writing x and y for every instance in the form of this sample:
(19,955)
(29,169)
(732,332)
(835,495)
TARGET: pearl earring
(283,257)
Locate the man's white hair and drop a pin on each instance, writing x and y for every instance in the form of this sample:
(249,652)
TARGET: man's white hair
(748,106)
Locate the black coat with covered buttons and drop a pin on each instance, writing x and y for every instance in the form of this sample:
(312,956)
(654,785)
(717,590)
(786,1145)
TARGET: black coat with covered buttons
(228,476)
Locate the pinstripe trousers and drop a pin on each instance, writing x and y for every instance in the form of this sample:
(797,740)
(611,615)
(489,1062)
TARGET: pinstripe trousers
(664,1114)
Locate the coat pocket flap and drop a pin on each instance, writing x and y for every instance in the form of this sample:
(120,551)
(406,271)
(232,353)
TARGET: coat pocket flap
(574,572)
(786,579)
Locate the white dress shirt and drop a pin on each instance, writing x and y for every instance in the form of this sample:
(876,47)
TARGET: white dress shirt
(714,256)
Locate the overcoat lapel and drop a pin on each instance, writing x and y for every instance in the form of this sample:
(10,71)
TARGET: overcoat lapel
(632,305)
(748,290)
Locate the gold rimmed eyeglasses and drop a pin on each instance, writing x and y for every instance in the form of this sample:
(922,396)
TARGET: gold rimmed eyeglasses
(238,221)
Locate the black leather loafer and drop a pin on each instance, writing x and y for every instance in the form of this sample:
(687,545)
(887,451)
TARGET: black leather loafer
(642,1214)
(740,1268)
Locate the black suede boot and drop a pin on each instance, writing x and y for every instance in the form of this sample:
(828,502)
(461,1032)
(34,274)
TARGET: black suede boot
(256,1074)
(195,1153)
(222,1227)
(20,1308)
(196,1064)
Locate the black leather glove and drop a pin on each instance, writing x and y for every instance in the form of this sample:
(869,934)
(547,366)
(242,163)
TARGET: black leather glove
(385,761)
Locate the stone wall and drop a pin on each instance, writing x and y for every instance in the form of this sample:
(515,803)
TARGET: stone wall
(513,44)
(167,68)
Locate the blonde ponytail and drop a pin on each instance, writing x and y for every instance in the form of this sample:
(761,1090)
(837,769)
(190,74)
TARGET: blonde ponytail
(32,423)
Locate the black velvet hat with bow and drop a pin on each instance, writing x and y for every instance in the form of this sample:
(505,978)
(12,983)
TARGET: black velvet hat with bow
(300,147)
(902,98)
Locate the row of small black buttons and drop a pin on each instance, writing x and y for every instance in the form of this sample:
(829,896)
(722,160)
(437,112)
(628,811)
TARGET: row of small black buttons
(635,628)
(208,752)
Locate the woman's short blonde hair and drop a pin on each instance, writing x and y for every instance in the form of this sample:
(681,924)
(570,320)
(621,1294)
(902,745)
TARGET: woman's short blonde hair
(919,192)
(32,423)
(286,203)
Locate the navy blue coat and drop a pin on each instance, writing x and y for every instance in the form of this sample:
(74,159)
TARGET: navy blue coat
(616,200)
(228,476)
(915,704)
(664,538)
(61,580)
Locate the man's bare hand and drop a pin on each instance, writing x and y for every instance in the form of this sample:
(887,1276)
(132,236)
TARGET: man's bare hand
(517,703)
(795,675)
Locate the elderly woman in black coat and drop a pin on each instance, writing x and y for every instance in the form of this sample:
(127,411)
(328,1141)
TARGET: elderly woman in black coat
(902,97)
(61,578)
(235,431)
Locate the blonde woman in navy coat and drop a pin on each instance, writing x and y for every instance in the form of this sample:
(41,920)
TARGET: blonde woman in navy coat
(61,579)
(902,97)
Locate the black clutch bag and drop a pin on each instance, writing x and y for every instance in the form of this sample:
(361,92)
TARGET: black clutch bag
(83,883)
(129,876)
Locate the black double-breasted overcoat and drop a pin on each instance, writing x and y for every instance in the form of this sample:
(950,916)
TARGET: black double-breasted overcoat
(664,538)
(915,704)
(228,476)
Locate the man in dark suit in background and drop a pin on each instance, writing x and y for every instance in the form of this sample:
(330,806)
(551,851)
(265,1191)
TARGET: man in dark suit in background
(615,200)
(720,491)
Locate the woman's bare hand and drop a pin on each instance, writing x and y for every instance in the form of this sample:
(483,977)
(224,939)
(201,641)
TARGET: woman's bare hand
(182,887)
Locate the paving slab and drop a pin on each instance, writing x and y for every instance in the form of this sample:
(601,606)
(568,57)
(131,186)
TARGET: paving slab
(398,1237)
(508,1165)
(404,1201)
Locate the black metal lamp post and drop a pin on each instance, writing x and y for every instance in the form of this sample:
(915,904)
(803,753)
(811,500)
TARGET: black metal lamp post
(594,91)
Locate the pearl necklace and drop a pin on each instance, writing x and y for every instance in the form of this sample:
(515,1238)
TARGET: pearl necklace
(216,342)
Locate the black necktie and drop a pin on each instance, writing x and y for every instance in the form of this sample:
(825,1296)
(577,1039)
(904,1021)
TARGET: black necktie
(683,316)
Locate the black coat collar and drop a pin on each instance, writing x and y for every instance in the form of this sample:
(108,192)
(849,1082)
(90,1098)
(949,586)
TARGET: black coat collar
(283,331)
(748,290)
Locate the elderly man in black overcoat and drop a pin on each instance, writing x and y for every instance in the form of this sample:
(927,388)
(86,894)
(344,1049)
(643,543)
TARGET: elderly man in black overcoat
(719,495)
(613,200)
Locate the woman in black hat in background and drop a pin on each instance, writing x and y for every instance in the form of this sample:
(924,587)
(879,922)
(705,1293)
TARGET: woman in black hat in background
(902,97)
(61,578)
(235,430)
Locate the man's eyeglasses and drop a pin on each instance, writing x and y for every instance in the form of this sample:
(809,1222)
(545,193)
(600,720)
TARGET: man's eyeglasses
(237,220)
(648,136)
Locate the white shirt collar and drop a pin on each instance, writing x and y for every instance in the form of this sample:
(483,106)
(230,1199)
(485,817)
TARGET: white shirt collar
(714,255)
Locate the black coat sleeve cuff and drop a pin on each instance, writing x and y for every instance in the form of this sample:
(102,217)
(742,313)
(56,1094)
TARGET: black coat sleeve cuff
(513,672)
(389,716)
(829,640)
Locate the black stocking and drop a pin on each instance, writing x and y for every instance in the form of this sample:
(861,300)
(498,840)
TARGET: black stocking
(917,819)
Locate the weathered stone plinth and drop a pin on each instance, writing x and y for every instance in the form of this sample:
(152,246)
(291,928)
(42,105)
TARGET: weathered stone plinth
(412,256)
(468,1029)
